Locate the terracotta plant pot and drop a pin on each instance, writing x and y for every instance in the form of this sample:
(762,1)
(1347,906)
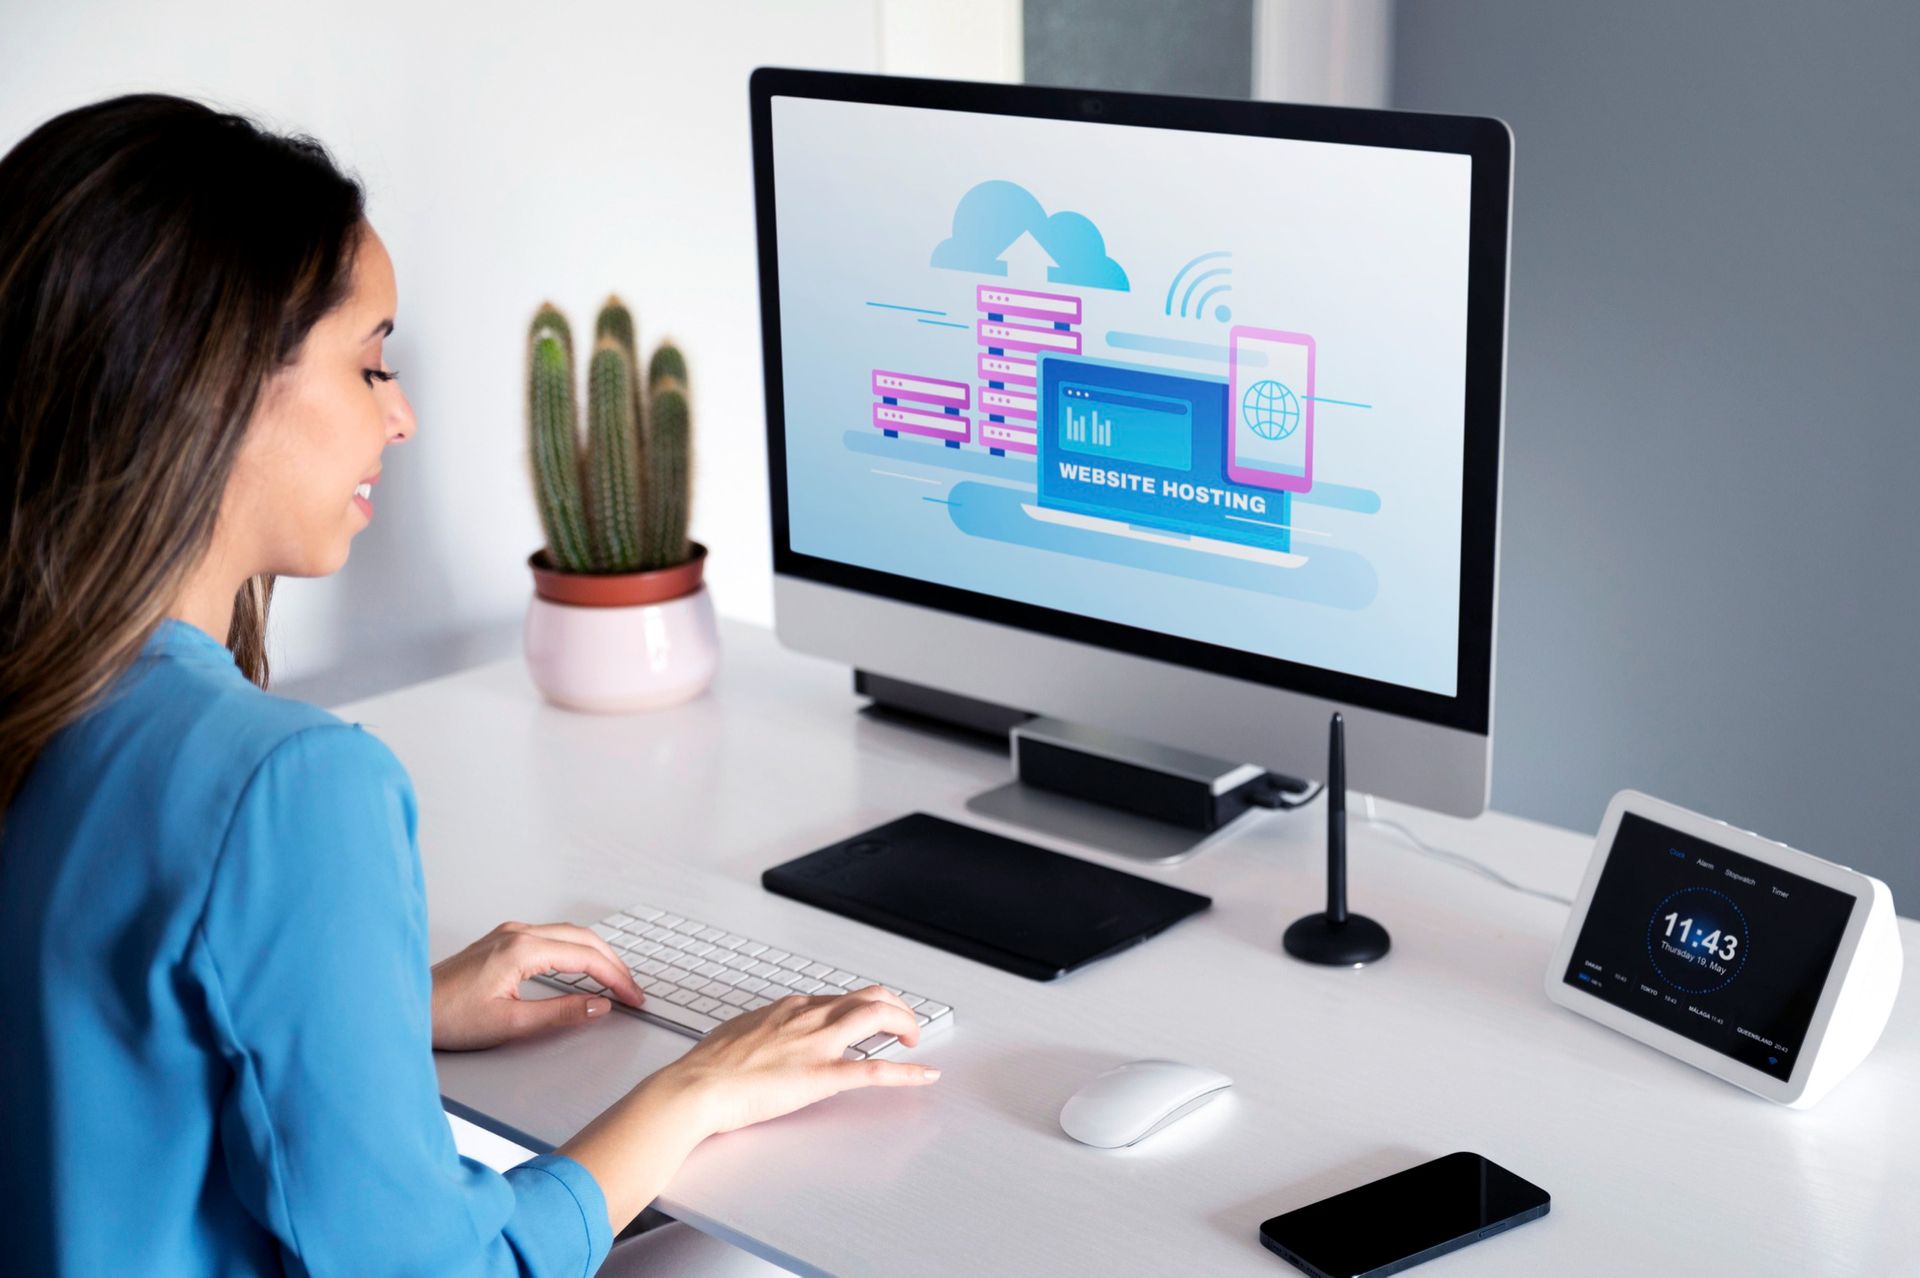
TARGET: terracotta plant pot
(616,642)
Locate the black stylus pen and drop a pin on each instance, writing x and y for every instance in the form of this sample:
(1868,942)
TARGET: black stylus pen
(1337,821)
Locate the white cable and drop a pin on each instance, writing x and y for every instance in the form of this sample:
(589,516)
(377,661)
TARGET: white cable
(1456,858)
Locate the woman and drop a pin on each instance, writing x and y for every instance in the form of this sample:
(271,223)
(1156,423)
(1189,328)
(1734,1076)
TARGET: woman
(217,1008)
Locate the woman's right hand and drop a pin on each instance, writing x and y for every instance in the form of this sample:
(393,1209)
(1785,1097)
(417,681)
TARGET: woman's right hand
(789,1054)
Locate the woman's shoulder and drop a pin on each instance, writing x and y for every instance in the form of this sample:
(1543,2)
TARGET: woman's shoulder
(181,751)
(185,684)
(190,729)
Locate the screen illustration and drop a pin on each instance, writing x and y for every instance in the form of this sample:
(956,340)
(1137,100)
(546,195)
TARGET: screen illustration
(1205,384)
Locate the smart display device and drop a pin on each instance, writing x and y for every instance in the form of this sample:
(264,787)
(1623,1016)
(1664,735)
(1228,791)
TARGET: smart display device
(1765,966)
(1178,418)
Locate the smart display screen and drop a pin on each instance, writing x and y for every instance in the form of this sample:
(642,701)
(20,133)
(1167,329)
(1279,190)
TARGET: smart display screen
(1726,950)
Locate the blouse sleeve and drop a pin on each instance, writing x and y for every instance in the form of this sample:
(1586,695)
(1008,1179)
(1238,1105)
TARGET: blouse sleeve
(312,955)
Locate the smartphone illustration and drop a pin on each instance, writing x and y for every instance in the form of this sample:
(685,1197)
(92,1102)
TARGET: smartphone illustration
(1270,409)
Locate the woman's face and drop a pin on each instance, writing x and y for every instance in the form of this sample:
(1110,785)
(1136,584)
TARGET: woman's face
(302,484)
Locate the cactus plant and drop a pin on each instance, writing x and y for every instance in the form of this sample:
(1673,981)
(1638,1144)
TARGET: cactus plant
(555,442)
(631,512)
(669,463)
(613,515)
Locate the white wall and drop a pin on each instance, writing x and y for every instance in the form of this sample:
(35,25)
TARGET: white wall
(511,153)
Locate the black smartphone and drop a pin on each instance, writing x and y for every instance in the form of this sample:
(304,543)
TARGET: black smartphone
(1398,1221)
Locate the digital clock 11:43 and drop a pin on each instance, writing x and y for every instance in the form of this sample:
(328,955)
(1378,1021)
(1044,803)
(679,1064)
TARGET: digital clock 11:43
(1696,939)
(1719,942)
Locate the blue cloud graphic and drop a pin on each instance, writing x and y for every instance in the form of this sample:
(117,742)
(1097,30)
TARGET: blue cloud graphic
(991,216)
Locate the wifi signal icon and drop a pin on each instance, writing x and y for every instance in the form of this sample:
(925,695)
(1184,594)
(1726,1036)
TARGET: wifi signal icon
(1201,283)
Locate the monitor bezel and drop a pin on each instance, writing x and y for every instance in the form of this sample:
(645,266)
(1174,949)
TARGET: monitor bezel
(1488,144)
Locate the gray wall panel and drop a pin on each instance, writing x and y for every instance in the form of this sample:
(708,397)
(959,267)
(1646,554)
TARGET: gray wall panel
(1201,47)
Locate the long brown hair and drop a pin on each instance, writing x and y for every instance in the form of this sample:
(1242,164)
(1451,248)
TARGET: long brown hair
(159,262)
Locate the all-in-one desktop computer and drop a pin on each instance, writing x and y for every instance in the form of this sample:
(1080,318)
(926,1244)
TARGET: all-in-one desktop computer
(1178,418)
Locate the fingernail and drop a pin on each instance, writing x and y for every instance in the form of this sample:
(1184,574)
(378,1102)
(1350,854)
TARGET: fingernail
(597,1006)
(929,1074)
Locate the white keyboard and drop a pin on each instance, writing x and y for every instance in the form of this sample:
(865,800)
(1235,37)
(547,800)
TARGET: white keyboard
(696,976)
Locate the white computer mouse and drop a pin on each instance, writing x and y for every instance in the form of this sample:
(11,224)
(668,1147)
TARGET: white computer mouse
(1131,1102)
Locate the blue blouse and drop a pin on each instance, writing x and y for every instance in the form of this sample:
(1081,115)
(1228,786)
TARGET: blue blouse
(215,1035)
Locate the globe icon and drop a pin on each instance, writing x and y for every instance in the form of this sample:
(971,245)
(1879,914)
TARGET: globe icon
(1271,410)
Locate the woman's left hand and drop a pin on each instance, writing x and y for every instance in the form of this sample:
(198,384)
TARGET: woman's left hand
(476,993)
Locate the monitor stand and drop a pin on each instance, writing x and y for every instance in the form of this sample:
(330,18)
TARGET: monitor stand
(1120,794)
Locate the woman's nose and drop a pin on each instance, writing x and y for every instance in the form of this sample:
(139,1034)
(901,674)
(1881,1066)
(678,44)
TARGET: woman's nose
(400,423)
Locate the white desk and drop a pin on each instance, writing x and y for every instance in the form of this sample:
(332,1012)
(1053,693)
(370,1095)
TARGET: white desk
(530,813)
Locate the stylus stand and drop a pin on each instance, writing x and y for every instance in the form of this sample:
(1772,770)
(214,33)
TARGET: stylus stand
(1337,938)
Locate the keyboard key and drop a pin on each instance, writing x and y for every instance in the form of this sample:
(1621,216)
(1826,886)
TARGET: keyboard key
(668,920)
(737,961)
(714,989)
(783,979)
(794,962)
(605,931)
(764,969)
(817,970)
(698,1024)
(692,927)
(699,949)
(773,956)
(736,998)
(844,980)
(709,969)
(657,933)
(752,949)
(650,967)
(868,1047)
(682,997)
(705,1005)
(646,914)
(807,985)
(622,920)
(911,1000)
(755,1004)
(678,975)
(753,985)
(728,1013)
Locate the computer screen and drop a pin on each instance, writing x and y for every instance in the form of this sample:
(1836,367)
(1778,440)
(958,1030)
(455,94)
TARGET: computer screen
(1211,386)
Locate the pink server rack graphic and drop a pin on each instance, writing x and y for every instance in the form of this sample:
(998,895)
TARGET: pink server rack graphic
(1015,328)
(931,406)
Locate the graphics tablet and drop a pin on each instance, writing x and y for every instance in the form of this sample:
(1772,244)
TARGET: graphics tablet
(1009,904)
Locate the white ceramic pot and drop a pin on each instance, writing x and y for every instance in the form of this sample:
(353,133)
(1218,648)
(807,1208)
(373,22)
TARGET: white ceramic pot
(592,645)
